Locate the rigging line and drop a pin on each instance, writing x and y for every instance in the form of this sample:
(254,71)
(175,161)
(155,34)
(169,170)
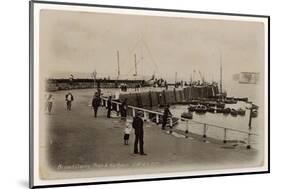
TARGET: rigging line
(130,52)
(153,60)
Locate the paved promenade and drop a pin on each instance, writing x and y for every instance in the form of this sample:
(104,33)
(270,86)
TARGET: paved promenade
(76,140)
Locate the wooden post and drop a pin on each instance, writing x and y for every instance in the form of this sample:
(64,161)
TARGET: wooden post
(250,118)
(204,131)
(157,118)
(249,145)
(145,116)
(186,129)
(134,112)
(224,138)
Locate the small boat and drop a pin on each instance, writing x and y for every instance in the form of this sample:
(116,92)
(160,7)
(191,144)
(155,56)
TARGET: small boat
(241,99)
(220,105)
(191,108)
(254,113)
(241,112)
(233,112)
(255,106)
(219,110)
(230,101)
(212,103)
(226,111)
(200,109)
(187,115)
(210,109)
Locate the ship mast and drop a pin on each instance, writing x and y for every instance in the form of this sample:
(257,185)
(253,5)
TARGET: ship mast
(136,73)
(118,66)
(220,74)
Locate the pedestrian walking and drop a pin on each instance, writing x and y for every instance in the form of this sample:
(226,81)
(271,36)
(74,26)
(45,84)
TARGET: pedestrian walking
(68,98)
(138,126)
(166,114)
(49,103)
(109,106)
(96,103)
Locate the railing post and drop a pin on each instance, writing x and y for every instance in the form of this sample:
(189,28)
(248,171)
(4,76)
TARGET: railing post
(249,145)
(145,116)
(204,130)
(117,108)
(134,112)
(157,118)
(186,129)
(224,138)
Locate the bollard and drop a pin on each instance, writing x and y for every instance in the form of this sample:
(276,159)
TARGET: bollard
(157,118)
(249,145)
(186,129)
(204,131)
(171,126)
(224,138)
(134,112)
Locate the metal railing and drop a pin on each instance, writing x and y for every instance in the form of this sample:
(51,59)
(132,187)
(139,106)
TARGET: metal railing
(249,134)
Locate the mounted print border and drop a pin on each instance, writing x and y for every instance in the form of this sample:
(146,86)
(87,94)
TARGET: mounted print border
(136,63)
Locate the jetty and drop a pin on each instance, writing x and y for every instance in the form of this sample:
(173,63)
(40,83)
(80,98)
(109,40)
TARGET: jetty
(77,138)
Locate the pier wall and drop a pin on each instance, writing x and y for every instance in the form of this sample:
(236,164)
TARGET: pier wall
(153,98)
(66,84)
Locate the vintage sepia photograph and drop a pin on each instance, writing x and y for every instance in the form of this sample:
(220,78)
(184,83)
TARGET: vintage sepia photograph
(128,94)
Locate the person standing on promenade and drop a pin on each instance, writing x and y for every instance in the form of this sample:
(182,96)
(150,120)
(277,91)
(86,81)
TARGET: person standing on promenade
(96,103)
(49,102)
(68,98)
(109,106)
(138,126)
(127,132)
(166,114)
(123,109)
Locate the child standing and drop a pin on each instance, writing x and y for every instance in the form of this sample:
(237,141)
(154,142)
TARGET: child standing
(127,132)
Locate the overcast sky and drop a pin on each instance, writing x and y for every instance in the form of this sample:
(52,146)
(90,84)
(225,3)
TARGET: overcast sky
(72,42)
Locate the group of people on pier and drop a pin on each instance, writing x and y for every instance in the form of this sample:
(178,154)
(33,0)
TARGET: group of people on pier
(137,123)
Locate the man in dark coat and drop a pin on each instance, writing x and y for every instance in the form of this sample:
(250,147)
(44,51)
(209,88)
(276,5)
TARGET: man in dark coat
(166,114)
(138,126)
(96,103)
(68,98)
(109,104)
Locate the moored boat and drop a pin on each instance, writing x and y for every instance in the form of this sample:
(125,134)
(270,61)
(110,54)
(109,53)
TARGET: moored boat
(200,109)
(226,110)
(220,105)
(254,113)
(233,112)
(187,115)
(191,108)
(211,109)
(219,110)
(241,112)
